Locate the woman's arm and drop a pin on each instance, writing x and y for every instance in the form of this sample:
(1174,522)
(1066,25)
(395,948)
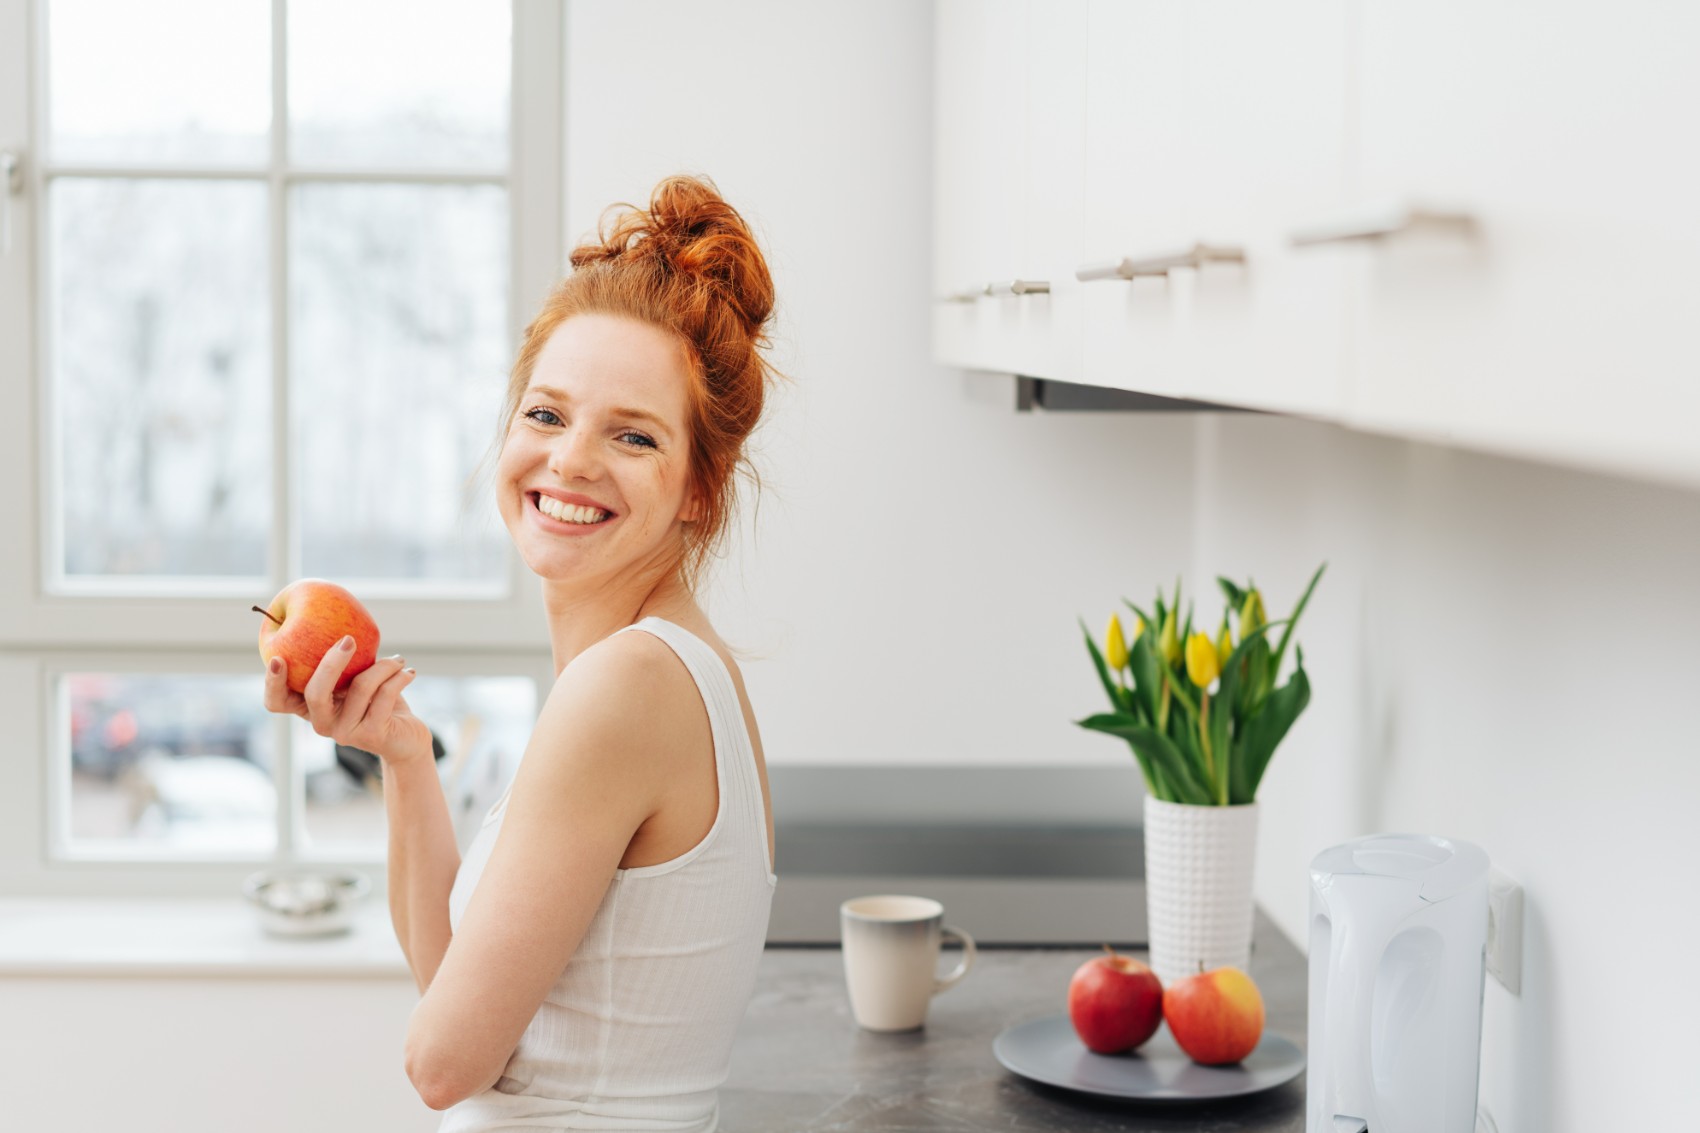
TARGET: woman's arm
(372,716)
(423,860)
(596,769)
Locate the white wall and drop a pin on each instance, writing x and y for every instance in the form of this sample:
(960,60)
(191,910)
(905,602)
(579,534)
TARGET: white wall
(1504,652)
(920,553)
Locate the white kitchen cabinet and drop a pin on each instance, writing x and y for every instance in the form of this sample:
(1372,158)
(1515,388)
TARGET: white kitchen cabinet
(1264,100)
(1048,325)
(979,107)
(1495,207)
(1135,192)
(1211,125)
(1563,326)
(1010,129)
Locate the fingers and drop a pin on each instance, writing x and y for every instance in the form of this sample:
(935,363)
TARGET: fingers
(321,686)
(356,704)
(384,700)
(279,696)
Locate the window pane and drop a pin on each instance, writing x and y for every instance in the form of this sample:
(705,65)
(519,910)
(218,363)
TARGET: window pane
(165,81)
(383,83)
(397,359)
(483,723)
(161,362)
(173,761)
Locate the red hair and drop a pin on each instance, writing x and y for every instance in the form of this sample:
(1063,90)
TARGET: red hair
(689,265)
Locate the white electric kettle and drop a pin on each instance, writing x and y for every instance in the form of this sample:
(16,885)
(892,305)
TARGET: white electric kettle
(1398,955)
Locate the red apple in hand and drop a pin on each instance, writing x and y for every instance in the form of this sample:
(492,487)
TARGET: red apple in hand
(1114,1002)
(1215,1016)
(306,620)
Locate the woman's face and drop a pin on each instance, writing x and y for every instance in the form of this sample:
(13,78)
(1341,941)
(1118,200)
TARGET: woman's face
(602,423)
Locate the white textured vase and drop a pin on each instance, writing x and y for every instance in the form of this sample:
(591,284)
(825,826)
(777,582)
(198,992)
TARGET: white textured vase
(1198,869)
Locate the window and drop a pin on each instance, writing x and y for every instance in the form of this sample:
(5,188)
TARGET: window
(263,267)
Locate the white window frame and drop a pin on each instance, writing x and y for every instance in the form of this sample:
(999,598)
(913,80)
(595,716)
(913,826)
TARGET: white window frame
(160,626)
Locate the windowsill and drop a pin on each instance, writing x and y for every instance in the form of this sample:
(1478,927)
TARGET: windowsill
(184,937)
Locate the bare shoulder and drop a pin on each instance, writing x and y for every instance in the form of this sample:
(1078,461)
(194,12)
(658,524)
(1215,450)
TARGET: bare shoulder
(629,682)
(606,736)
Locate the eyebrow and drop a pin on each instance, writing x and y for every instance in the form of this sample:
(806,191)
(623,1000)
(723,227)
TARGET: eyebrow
(639,414)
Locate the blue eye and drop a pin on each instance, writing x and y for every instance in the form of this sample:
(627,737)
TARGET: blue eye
(642,440)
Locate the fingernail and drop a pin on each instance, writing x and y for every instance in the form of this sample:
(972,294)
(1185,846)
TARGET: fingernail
(276,666)
(346,644)
(411,672)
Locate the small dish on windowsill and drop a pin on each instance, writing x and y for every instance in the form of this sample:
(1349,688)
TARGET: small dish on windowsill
(298,903)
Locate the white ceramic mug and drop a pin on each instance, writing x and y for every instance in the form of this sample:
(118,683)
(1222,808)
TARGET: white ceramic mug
(891,957)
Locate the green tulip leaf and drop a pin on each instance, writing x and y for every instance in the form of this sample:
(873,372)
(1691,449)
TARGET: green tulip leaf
(1113,724)
(1161,751)
(1221,742)
(1235,596)
(1292,623)
(1253,670)
(1147,671)
(1264,731)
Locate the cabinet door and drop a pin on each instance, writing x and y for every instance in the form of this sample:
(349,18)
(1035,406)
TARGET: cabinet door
(1045,328)
(1562,327)
(1216,124)
(1135,187)
(1265,104)
(979,114)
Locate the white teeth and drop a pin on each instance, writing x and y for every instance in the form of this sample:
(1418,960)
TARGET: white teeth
(568,513)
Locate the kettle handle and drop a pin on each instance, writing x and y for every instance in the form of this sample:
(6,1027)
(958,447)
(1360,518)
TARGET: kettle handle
(1354,955)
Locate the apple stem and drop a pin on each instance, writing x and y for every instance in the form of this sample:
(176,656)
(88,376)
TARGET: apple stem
(267,613)
(1110,950)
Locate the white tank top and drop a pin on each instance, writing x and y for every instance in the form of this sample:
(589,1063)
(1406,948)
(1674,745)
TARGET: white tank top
(637,1032)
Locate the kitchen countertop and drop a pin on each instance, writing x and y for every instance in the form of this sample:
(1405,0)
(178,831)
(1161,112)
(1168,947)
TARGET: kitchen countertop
(800,1063)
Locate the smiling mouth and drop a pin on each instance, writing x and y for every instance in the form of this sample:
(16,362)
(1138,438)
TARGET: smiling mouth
(536,505)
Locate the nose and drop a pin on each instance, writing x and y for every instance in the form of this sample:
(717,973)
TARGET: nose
(575,454)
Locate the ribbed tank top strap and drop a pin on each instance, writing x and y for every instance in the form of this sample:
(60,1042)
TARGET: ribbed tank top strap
(735,757)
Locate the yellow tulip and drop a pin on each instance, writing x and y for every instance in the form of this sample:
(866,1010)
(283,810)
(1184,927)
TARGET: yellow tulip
(1224,644)
(1115,649)
(1169,642)
(1138,629)
(1251,613)
(1202,664)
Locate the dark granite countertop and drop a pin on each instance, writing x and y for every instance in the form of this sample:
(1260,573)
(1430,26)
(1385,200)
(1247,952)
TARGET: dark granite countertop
(801,1064)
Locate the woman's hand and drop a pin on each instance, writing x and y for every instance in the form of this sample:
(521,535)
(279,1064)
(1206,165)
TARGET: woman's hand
(369,714)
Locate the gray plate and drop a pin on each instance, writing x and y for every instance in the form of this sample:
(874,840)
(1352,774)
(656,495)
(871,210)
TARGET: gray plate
(1047,1050)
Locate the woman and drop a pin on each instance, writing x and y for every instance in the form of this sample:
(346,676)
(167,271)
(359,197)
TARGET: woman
(586,965)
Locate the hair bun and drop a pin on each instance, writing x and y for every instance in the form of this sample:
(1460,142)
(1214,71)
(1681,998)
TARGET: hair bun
(691,231)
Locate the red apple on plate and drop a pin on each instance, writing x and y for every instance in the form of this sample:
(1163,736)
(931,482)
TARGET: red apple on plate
(1114,1002)
(306,620)
(1215,1016)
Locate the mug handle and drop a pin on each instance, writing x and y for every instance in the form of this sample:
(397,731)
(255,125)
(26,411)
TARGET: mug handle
(961,969)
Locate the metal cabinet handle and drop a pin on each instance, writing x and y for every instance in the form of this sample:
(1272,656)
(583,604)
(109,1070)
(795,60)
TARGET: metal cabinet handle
(1162,263)
(1378,222)
(1019,287)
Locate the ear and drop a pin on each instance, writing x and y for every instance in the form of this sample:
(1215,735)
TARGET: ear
(693,508)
